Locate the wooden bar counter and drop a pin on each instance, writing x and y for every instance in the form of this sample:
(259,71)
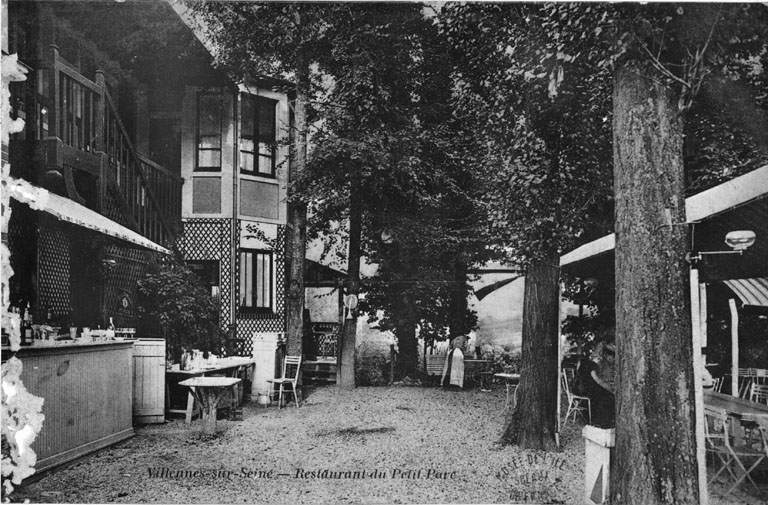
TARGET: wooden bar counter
(88,392)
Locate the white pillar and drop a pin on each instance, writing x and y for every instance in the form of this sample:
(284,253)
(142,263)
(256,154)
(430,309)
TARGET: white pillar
(734,348)
(559,358)
(703,312)
(698,391)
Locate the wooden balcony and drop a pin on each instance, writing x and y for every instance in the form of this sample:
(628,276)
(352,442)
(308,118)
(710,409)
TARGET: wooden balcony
(73,128)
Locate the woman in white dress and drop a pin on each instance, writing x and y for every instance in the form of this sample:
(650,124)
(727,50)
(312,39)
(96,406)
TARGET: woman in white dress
(453,370)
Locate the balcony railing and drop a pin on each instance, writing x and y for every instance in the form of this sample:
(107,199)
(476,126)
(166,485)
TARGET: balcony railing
(78,122)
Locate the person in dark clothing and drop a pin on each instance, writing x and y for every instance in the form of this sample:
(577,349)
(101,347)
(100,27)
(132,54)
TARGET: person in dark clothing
(594,386)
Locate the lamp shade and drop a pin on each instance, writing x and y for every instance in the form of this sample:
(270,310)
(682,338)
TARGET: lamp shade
(740,239)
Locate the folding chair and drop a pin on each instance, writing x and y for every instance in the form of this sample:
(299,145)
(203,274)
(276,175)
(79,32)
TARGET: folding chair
(759,393)
(570,375)
(291,370)
(575,402)
(745,380)
(718,443)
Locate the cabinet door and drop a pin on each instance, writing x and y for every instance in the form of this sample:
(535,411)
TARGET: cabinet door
(149,381)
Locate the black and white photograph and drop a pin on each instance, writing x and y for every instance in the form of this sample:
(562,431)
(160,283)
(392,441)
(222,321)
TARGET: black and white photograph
(384,252)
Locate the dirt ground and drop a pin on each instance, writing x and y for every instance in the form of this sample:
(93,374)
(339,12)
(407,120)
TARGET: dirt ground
(368,445)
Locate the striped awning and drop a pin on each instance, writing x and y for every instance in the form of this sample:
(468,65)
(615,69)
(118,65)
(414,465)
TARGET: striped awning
(72,212)
(750,291)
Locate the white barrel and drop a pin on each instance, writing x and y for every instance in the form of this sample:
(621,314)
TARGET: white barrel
(264,348)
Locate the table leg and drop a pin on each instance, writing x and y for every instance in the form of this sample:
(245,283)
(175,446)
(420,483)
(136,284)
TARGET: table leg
(209,416)
(190,406)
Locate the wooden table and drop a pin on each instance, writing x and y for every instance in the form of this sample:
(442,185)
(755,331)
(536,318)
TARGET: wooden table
(230,364)
(510,379)
(209,391)
(738,409)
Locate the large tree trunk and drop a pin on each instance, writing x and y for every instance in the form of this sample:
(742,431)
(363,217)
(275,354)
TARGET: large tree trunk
(534,422)
(408,351)
(346,377)
(297,215)
(458,323)
(655,433)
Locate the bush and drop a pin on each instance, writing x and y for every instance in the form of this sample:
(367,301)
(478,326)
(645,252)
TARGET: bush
(502,359)
(174,304)
(372,371)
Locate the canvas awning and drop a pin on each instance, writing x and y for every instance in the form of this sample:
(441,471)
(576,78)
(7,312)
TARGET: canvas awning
(72,212)
(750,187)
(750,291)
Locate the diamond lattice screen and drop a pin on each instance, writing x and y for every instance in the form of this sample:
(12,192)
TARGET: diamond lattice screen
(210,239)
(53,277)
(248,323)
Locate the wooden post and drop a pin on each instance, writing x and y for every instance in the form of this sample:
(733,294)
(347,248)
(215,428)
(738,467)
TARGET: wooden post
(560,355)
(698,391)
(703,312)
(391,363)
(734,348)
(54,111)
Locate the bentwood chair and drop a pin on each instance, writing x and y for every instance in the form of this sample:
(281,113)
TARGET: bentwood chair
(291,370)
(576,404)
(727,458)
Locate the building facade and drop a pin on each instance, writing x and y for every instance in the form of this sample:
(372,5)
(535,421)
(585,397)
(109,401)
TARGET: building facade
(141,147)
(234,162)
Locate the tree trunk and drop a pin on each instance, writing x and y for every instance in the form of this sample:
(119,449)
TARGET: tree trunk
(297,215)
(655,426)
(346,377)
(534,422)
(408,351)
(458,324)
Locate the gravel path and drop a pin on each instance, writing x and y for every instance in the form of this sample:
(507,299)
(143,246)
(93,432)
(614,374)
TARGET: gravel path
(368,445)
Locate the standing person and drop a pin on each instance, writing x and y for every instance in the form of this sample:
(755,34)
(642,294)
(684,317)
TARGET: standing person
(453,369)
(595,386)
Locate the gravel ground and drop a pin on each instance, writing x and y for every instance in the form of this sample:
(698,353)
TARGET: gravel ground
(368,445)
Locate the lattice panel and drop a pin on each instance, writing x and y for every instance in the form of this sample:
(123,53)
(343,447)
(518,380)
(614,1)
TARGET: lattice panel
(131,264)
(326,344)
(281,286)
(22,244)
(250,322)
(210,239)
(53,278)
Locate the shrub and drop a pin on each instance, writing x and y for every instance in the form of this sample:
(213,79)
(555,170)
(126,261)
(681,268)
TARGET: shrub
(174,304)
(372,371)
(502,359)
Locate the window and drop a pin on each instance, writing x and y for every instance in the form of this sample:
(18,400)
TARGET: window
(209,125)
(258,136)
(255,280)
(208,271)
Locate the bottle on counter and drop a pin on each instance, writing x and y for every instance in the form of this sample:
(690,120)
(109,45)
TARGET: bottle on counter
(27,332)
(111,329)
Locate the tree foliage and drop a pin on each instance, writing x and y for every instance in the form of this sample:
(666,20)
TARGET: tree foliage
(255,39)
(174,304)
(386,123)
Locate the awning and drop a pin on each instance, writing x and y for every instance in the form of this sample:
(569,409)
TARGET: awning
(750,187)
(750,291)
(72,212)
